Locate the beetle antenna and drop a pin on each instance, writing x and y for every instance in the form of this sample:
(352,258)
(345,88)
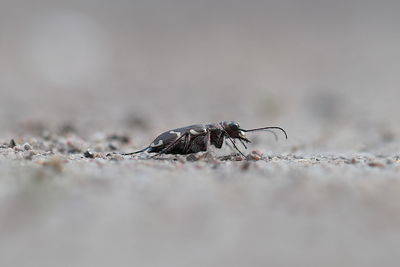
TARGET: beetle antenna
(266,129)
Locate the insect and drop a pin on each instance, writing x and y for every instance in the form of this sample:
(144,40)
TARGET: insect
(198,137)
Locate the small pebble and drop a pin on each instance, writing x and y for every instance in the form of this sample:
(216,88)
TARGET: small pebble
(55,162)
(376,164)
(114,156)
(351,161)
(88,154)
(255,155)
(12,143)
(192,157)
(112,146)
(27,147)
(234,157)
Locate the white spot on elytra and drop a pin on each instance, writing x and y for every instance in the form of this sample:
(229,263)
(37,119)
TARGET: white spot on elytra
(194,132)
(178,134)
(159,143)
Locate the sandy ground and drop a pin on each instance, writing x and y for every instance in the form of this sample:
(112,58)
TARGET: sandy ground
(109,76)
(60,207)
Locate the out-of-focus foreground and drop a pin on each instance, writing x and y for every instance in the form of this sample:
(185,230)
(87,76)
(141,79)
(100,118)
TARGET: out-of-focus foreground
(109,76)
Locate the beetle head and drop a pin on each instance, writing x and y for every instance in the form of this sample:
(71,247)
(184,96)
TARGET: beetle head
(233,130)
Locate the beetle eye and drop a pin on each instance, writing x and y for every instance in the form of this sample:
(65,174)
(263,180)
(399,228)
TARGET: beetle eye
(234,125)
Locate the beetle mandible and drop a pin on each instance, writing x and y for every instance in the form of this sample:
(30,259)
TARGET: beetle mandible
(198,137)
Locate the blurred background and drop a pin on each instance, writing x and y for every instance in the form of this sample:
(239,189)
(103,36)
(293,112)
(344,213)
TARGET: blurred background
(326,71)
(313,67)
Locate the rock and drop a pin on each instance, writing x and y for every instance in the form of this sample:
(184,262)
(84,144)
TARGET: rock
(55,163)
(12,143)
(27,147)
(192,157)
(376,164)
(255,155)
(114,156)
(112,146)
(88,154)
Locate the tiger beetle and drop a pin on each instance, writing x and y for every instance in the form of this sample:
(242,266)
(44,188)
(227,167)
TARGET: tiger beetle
(198,137)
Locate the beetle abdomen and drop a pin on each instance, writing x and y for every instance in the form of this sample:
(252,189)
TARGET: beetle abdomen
(197,141)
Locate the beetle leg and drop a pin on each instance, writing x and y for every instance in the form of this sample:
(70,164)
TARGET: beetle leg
(217,139)
(196,143)
(241,141)
(234,145)
(187,142)
(230,147)
(208,141)
(233,142)
(170,146)
(208,144)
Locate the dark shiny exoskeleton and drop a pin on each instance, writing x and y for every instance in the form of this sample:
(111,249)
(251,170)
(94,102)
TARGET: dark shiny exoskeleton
(198,137)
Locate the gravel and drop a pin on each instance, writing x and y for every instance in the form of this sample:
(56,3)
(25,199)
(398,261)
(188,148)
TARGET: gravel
(64,207)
